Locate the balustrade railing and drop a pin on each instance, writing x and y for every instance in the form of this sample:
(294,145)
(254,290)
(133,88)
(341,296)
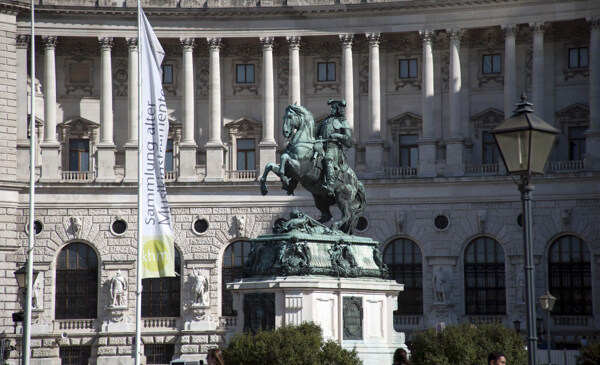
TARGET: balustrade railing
(240,175)
(77,176)
(170,176)
(485,319)
(400,171)
(565,166)
(160,322)
(401,321)
(485,169)
(228,323)
(570,321)
(82,325)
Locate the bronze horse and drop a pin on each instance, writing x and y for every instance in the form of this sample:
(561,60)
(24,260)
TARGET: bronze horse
(301,162)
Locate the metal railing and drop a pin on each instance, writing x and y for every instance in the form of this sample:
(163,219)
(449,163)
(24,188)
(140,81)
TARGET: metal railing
(565,166)
(485,169)
(400,171)
(77,176)
(240,175)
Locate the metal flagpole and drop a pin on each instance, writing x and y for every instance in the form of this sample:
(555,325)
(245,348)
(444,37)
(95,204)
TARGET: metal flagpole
(138,293)
(32,149)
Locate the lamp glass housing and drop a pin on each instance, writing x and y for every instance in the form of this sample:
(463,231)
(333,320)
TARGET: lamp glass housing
(21,275)
(547,301)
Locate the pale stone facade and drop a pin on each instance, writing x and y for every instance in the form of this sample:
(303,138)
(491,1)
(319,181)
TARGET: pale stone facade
(85,49)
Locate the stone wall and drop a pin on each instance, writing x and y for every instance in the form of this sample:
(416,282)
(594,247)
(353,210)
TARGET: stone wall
(8,96)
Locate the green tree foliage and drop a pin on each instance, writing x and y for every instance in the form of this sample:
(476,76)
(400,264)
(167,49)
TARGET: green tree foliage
(589,355)
(467,344)
(288,345)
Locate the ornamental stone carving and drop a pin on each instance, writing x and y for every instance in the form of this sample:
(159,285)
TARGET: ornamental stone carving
(120,77)
(406,123)
(202,77)
(22,41)
(283,74)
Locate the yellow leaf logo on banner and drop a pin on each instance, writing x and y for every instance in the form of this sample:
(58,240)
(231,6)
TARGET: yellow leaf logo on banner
(155,255)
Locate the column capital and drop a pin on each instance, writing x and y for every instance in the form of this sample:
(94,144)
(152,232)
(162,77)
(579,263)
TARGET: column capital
(537,27)
(187,44)
(455,34)
(373,38)
(215,43)
(22,41)
(267,42)
(347,39)
(510,30)
(132,44)
(427,35)
(106,43)
(293,41)
(50,41)
(594,23)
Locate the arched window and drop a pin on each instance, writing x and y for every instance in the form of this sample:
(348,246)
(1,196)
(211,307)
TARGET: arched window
(234,257)
(76,282)
(404,260)
(160,296)
(569,266)
(485,288)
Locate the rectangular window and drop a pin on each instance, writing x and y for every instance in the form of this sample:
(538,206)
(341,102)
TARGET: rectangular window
(75,355)
(490,153)
(244,74)
(578,57)
(159,353)
(409,150)
(492,64)
(169,156)
(79,155)
(408,68)
(245,154)
(167,74)
(326,71)
(577,143)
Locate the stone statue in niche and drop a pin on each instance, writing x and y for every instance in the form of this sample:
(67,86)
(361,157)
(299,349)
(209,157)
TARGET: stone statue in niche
(520,284)
(240,224)
(76,225)
(118,290)
(441,286)
(200,288)
(37,300)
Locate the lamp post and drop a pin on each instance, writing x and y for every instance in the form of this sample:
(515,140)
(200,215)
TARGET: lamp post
(547,303)
(21,275)
(525,141)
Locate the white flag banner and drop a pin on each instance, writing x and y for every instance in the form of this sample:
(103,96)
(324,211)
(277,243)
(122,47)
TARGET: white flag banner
(158,252)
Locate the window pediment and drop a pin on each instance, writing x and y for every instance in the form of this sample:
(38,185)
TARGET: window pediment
(244,127)
(574,114)
(408,123)
(487,120)
(79,128)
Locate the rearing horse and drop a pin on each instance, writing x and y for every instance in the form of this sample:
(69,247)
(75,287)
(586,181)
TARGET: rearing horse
(301,161)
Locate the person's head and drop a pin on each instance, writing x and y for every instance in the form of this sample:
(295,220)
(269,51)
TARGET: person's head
(496,358)
(215,357)
(401,357)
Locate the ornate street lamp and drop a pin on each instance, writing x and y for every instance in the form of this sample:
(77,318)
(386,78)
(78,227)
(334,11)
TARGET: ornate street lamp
(547,303)
(21,276)
(525,142)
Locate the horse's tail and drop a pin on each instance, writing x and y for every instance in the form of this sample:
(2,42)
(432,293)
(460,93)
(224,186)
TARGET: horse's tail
(357,207)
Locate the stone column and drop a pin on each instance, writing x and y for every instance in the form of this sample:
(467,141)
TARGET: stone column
(214,146)
(22,108)
(427,140)
(267,146)
(106,148)
(50,146)
(187,147)
(348,87)
(510,70)
(374,144)
(294,76)
(537,69)
(131,157)
(454,144)
(592,135)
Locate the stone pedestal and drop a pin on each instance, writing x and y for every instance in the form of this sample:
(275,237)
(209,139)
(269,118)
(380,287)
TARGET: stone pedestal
(131,162)
(117,320)
(427,157)
(106,162)
(214,162)
(454,157)
(187,163)
(199,319)
(38,326)
(267,153)
(50,170)
(356,312)
(374,157)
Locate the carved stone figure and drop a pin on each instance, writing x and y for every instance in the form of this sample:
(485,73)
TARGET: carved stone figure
(200,287)
(76,225)
(306,157)
(520,284)
(240,223)
(37,300)
(441,286)
(118,290)
(302,223)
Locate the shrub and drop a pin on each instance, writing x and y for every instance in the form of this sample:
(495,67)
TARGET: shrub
(589,355)
(288,345)
(467,344)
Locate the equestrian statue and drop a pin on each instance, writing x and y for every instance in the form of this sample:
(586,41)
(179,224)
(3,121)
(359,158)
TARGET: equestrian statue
(316,158)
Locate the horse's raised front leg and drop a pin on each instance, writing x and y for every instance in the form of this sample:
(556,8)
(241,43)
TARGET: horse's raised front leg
(263,180)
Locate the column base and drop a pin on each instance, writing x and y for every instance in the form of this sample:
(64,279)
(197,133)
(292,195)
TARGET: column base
(106,162)
(214,162)
(427,157)
(454,157)
(187,162)
(50,159)
(592,150)
(374,158)
(131,162)
(267,153)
